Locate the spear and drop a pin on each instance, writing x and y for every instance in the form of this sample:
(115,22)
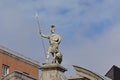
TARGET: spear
(37,20)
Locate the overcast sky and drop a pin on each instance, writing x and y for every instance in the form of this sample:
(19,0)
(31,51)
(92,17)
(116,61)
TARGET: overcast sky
(89,29)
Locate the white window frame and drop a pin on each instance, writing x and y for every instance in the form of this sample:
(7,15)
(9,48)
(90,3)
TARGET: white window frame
(5,70)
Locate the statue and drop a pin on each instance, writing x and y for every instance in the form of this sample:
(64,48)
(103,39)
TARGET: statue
(54,41)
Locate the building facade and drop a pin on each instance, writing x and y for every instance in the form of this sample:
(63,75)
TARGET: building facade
(11,61)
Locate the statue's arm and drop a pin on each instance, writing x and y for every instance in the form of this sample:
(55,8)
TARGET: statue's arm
(59,40)
(45,36)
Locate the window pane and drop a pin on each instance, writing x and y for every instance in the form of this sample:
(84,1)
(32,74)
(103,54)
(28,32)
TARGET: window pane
(5,70)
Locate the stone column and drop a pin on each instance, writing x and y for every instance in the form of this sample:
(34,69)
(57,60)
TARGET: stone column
(52,71)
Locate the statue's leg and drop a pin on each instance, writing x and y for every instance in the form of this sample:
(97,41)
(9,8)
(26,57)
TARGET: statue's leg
(54,58)
(53,61)
(47,57)
(48,54)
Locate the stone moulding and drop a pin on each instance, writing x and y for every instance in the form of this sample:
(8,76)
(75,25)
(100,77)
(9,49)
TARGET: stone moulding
(16,75)
(53,66)
(53,71)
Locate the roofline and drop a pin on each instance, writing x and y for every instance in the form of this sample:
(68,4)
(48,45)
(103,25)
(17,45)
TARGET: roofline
(19,56)
(85,70)
(114,66)
(96,74)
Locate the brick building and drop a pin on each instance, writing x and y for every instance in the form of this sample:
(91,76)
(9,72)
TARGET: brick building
(11,61)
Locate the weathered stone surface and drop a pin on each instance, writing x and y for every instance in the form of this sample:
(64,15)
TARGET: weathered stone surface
(53,72)
(18,76)
(84,74)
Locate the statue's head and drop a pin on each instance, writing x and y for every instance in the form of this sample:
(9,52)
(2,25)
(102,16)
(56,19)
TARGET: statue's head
(52,28)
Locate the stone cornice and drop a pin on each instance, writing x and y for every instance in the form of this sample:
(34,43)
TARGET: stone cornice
(16,75)
(51,66)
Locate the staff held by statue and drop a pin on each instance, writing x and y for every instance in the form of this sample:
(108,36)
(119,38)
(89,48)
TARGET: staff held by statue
(37,20)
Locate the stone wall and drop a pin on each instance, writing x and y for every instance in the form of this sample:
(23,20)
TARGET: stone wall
(18,76)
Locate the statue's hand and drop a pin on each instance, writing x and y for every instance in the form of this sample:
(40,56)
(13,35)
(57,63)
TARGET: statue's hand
(40,32)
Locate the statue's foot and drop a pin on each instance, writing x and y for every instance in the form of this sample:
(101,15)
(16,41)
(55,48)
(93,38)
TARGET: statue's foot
(47,61)
(53,61)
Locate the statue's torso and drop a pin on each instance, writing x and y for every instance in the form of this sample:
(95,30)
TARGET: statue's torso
(54,39)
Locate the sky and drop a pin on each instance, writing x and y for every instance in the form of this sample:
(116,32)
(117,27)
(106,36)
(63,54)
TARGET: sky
(89,29)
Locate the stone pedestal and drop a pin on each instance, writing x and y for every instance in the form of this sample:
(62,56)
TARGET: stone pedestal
(52,71)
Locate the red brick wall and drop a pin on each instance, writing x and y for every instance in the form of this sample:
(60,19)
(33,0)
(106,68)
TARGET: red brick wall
(18,65)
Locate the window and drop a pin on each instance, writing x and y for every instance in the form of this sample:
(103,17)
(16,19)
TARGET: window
(5,70)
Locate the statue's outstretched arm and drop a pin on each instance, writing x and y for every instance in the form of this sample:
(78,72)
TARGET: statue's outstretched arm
(45,36)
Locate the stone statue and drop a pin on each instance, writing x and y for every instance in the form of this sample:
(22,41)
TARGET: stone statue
(54,41)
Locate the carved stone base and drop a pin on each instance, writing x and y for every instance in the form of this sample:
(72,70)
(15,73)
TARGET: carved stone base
(52,71)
